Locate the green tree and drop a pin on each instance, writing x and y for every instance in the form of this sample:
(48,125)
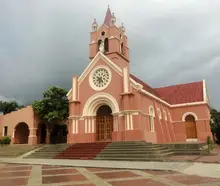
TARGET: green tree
(215,124)
(9,106)
(54,107)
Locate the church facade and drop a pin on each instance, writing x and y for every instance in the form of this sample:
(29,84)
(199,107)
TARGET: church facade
(108,103)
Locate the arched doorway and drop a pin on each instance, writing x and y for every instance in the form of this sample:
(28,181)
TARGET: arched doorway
(42,133)
(104,123)
(21,133)
(190,125)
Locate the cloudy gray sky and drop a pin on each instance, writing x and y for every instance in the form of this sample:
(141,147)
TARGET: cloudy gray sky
(44,43)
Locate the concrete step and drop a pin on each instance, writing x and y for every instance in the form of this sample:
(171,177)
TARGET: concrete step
(135,148)
(134,155)
(109,151)
(129,159)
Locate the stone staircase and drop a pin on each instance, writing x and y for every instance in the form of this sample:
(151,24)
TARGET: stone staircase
(48,151)
(186,148)
(13,151)
(83,151)
(134,151)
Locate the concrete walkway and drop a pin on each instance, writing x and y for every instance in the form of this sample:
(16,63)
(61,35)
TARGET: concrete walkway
(199,169)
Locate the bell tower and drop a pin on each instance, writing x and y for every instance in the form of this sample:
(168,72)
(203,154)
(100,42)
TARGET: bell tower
(110,40)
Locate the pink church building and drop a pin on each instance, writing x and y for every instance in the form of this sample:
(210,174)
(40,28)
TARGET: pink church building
(108,103)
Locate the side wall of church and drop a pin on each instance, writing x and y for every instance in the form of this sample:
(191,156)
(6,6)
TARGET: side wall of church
(201,114)
(160,128)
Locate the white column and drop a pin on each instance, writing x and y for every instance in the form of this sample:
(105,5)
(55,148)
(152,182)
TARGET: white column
(128,121)
(86,128)
(125,79)
(93,125)
(73,126)
(13,134)
(77,126)
(131,122)
(89,125)
(74,89)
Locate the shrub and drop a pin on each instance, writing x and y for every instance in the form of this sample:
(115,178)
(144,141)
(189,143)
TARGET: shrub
(209,143)
(5,140)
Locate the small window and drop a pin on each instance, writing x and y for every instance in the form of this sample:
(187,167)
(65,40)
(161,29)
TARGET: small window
(102,33)
(99,43)
(5,131)
(106,45)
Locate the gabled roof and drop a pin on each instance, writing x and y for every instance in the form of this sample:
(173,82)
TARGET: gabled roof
(176,94)
(145,86)
(182,93)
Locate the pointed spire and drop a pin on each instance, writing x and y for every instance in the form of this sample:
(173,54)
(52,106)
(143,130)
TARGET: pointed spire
(108,16)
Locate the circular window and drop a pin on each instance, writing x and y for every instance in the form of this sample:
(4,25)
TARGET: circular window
(102,33)
(100,78)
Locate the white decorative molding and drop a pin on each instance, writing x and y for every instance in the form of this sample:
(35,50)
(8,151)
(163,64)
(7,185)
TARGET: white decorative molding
(91,82)
(151,111)
(189,113)
(73,126)
(191,140)
(97,100)
(98,56)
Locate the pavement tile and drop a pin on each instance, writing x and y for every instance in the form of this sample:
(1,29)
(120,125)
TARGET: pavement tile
(15,174)
(17,168)
(80,185)
(63,178)
(51,166)
(154,172)
(98,169)
(14,182)
(122,174)
(141,182)
(58,171)
(191,179)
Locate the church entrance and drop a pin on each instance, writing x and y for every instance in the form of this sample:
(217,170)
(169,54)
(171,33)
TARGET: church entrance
(190,125)
(104,123)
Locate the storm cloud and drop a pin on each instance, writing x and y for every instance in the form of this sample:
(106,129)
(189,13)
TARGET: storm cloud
(44,43)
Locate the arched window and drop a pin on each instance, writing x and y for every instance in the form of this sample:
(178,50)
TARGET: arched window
(122,48)
(106,45)
(165,115)
(151,118)
(170,118)
(159,113)
(189,118)
(99,43)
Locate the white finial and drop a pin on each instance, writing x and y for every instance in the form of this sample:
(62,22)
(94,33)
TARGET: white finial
(94,25)
(113,19)
(122,27)
(102,47)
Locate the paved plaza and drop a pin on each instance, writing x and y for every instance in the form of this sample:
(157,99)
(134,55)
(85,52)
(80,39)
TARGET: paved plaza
(37,175)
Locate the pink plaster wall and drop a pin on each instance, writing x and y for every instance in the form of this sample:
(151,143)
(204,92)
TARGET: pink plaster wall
(25,115)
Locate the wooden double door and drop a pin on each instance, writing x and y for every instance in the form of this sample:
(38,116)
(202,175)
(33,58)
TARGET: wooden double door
(104,128)
(191,132)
